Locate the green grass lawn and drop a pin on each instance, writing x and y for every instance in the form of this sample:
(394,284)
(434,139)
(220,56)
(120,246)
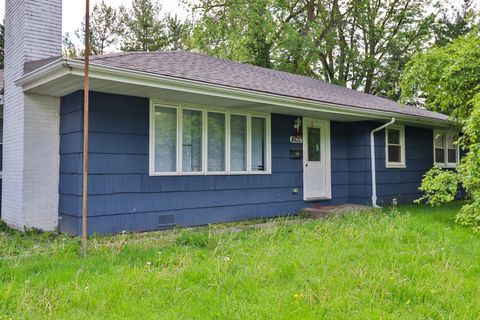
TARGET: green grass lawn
(414,263)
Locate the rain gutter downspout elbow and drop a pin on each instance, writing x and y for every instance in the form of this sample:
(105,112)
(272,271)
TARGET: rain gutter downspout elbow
(372,159)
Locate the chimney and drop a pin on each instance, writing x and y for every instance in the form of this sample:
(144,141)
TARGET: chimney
(33,31)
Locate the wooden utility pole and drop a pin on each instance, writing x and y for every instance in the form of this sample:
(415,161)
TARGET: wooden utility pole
(85,130)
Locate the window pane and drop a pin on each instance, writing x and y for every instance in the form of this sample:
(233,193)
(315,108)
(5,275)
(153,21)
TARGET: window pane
(439,155)
(439,142)
(452,156)
(450,142)
(192,141)
(165,139)
(313,140)
(238,143)
(393,136)
(216,141)
(394,154)
(258,143)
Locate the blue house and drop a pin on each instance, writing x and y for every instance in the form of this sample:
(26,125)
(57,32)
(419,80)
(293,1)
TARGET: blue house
(184,139)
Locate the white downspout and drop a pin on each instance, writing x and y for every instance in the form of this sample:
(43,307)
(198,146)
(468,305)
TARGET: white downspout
(372,158)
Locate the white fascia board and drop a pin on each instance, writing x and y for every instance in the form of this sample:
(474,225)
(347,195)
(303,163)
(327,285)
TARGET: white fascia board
(67,66)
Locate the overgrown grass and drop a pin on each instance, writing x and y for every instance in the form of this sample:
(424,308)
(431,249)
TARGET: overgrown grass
(410,263)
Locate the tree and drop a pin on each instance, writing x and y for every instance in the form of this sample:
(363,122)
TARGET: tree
(144,30)
(447,79)
(104,29)
(69,48)
(361,44)
(451,26)
(177,33)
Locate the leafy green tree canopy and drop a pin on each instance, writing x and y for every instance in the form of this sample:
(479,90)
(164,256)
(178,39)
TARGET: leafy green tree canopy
(361,44)
(445,79)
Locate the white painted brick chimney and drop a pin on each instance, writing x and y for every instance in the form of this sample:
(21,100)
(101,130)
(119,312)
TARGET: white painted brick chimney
(33,30)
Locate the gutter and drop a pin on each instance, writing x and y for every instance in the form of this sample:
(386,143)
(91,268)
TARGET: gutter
(372,159)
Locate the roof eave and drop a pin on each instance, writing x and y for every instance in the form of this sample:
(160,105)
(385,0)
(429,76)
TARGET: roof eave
(68,66)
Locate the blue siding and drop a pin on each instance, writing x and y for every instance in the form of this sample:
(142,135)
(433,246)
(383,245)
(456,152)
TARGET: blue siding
(403,183)
(122,196)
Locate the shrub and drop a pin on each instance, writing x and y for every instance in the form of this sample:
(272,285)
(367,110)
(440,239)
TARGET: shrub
(439,186)
(469,215)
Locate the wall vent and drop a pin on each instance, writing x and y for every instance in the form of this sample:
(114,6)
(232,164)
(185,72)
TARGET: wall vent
(166,220)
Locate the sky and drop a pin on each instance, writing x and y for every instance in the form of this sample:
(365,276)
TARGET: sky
(74,10)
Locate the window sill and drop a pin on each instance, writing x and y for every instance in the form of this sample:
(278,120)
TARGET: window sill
(395,166)
(446,166)
(187,174)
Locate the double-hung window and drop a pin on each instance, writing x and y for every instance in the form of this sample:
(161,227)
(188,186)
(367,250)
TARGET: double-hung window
(188,140)
(445,150)
(395,147)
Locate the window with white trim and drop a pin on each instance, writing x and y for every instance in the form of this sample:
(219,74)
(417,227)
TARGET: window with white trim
(395,147)
(189,140)
(445,149)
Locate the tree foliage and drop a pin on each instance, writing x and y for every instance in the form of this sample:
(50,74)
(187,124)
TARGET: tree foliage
(454,22)
(447,79)
(144,27)
(144,30)
(439,186)
(362,44)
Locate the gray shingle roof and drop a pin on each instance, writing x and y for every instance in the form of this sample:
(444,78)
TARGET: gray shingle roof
(207,69)
(203,68)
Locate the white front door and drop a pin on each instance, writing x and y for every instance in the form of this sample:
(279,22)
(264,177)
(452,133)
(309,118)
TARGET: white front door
(316,159)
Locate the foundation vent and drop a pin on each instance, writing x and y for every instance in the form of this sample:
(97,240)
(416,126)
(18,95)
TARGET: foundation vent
(166,220)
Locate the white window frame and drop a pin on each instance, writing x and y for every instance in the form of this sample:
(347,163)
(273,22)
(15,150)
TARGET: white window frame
(402,163)
(445,134)
(205,109)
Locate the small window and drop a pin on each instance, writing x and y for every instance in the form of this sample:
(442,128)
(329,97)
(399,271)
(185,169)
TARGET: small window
(395,147)
(445,149)
(313,138)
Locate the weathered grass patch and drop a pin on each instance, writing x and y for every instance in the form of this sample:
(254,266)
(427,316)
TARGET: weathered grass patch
(410,263)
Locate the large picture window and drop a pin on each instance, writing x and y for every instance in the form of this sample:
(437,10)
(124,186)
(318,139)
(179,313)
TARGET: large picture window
(200,140)
(445,150)
(395,147)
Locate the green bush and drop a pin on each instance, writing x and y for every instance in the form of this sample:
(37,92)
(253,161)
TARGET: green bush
(469,215)
(439,186)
